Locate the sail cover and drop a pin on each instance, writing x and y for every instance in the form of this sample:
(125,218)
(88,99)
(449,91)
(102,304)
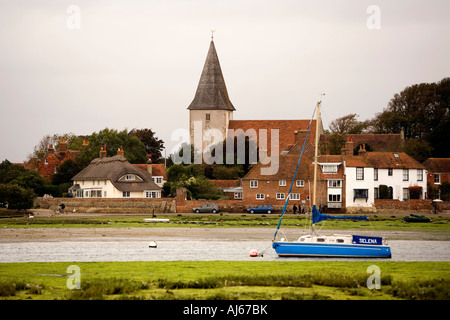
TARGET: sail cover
(317,216)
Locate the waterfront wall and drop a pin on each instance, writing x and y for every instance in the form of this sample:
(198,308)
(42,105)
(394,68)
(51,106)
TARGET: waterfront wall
(105,205)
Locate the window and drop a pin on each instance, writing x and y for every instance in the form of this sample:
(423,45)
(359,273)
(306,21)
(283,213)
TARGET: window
(46,161)
(334,183)
(253,183)
(419,174)
(376,193)
(280,196)
(437,178)
(157,180)
(375,174)
(405,194)
(300,183)
(130,177)
(151,194)
(360,194)
(92,193)
(396,155)
(390,172)
(208,116)
(359,173)
(260,196)
(126,194)
(238,195)
(282,183)
(327,168)
(405,174)
(294,196)
(334,198)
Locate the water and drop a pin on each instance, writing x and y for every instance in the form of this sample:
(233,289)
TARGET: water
(171,250)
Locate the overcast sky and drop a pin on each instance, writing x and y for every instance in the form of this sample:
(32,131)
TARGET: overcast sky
(136,64)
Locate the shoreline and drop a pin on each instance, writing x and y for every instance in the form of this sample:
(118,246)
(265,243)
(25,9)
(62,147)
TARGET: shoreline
(16,235)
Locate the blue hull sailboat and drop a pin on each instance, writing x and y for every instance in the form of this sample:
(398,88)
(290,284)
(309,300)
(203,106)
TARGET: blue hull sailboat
(337,245)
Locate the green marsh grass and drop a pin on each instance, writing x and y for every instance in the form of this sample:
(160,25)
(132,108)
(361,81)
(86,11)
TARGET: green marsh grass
(226,280)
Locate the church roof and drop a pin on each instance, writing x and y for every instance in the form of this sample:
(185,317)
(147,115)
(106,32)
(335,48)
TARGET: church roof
(211,91)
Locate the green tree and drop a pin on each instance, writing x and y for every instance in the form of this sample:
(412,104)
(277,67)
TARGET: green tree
(422,112)
(66,171)
(152,144)
(9,171)
(30,179)
(134,149)
(16,197)
(348,124)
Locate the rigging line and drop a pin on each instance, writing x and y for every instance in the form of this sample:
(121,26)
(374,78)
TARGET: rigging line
(295,173)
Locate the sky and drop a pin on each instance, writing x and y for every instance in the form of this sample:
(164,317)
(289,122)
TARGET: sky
(82,66)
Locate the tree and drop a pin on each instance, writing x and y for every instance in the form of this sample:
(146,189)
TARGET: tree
(9,171)
(348,124)
(152,144)
(66,171)
(134,149)
(16,197)
(422,112)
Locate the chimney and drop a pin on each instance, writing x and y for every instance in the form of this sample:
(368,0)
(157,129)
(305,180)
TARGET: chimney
(120,151)
(103,153)
(50,149)
(362,150)
(149,164)
(63,146)
(349,147)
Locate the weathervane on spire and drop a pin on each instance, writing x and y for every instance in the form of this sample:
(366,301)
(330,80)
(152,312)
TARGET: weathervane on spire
(212,34)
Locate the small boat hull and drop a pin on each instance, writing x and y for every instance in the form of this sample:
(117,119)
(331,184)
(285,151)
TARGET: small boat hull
(297,249)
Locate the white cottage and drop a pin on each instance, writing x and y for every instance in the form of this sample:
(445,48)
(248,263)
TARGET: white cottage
(366,172)
(114,177)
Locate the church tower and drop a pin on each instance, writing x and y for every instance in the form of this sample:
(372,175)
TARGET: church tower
(211,105)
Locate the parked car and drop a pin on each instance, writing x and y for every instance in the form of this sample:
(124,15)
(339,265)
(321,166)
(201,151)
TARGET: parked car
(208,207)
(261,208)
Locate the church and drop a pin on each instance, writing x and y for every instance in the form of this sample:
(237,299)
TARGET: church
(211,116)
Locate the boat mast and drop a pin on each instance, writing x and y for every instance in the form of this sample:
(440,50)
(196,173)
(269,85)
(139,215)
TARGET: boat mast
(316,150)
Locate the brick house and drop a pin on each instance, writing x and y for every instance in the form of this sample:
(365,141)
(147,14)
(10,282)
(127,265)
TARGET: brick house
(48,166)
(438,173)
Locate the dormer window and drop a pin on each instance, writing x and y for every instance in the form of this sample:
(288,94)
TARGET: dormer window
(130,177)
(330,167)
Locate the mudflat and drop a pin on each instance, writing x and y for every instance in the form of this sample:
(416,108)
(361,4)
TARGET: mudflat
(8,235)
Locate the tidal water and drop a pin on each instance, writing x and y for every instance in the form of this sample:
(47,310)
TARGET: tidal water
(171,250)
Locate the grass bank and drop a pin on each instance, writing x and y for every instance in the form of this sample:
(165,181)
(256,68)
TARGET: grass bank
(247,280)
(227,221)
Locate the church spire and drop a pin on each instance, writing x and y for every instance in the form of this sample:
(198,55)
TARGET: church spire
(211,91)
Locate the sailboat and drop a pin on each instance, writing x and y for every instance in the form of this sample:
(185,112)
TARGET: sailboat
(337,245)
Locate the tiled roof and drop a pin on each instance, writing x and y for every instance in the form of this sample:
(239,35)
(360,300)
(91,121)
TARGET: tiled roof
(384,160)
(378,142)
(286,130)
(285,170)
(438,165)
(158,169)
(225,183)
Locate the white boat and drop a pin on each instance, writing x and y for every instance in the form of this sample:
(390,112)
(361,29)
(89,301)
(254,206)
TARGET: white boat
(314,245)
(156,220)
